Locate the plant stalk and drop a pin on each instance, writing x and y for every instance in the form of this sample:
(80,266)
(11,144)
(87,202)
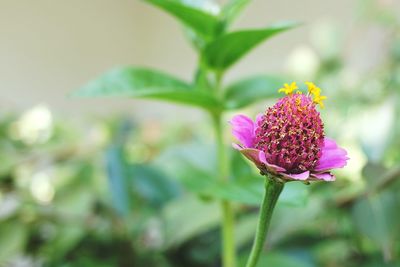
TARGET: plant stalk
(227,212)
(228,239)
(273,189)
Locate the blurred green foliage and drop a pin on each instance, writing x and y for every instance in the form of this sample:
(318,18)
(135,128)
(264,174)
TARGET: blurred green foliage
(121,193)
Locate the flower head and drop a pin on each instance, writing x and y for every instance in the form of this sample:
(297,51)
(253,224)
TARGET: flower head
(288,140)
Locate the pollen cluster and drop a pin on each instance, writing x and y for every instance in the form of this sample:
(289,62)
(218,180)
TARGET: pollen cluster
(291,133)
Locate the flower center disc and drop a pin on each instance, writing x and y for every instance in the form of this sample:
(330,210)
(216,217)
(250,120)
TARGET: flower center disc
(291,134)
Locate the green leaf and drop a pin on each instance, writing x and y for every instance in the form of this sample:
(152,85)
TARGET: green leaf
(294,194)
(247,192)
(65,239)
(146,83)
(187,217)
(117,168)
(12,242)
(251,90)
(279,259)
(117,179)
(289,219)
(200,21)
(7,162)
(201,79)
(229,48)
(74,202)
(333,251)
(232,9)
(152,186)
(181,160)
(377,217)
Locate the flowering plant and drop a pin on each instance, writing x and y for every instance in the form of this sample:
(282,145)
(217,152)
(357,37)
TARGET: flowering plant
(207,27)
(287,143)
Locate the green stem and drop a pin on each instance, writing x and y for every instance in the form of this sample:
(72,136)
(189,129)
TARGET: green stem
(273,189)
(227,213)
(228,239)
(228,246)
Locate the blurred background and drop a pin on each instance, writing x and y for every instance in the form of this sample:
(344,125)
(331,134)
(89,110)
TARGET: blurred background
(106,182)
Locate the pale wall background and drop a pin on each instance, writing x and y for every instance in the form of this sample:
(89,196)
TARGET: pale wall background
(49,48)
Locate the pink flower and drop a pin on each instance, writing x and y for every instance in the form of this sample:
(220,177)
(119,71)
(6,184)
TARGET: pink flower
(288,140)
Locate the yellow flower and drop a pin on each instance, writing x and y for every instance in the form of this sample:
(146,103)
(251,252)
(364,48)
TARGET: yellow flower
(313,89)
(288,89)
(318,100)
(316,93)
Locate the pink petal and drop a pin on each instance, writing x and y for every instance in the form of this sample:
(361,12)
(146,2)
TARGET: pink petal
(329,143)
(301,176)
(263,159)
(243,129)
(332,156)
(253,155)
(324,176)
(258,158)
